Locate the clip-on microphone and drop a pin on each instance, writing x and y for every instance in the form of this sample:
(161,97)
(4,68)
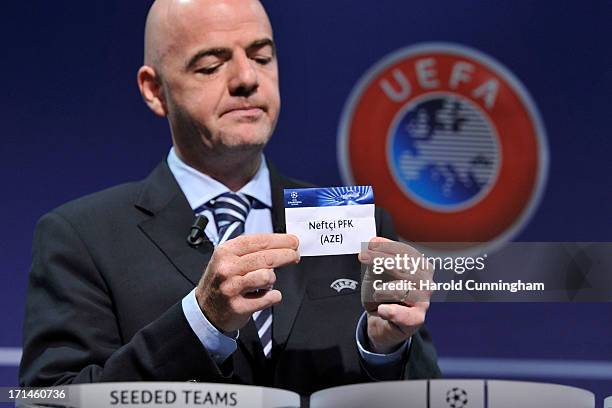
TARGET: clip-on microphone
(196,234)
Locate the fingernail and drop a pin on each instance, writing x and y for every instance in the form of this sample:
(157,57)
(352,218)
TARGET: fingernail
(364,257)
(296,240)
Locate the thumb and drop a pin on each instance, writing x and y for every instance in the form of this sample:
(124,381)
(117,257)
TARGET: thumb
(387,311)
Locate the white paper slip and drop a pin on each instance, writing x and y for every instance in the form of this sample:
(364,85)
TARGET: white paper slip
(330,221)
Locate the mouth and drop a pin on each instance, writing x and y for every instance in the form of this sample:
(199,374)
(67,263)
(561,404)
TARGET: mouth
(244,110)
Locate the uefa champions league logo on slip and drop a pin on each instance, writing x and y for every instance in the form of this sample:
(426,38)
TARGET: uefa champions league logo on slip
(451,141)
(294,199)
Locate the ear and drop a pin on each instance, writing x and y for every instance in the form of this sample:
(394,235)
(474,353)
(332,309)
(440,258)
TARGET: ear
(151,90)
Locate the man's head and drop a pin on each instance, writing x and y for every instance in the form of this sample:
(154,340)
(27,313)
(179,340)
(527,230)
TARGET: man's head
(210,67)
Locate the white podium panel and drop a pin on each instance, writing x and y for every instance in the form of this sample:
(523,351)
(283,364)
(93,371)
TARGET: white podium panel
(512,394)
(392,394)
(608,402)
(176,395)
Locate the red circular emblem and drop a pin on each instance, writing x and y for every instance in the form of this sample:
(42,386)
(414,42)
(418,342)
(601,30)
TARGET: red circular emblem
(450,140)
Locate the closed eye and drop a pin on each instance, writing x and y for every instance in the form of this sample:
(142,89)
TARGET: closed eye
(263,60)
(208,70)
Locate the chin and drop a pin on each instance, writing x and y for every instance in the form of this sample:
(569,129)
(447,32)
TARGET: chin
(246,137)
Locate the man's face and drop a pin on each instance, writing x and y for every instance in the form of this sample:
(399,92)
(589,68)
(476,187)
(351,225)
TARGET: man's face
(220,74)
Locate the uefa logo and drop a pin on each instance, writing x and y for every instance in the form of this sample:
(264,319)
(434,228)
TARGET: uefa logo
(450,140)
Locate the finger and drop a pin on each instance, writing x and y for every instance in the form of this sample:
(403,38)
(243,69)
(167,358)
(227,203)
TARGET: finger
(398,266)
(367,255)
(401,295)
(386,267)
(423,305)
(407,298)
(259,279)
(377,326)
(268,259)
(391,292)
(381,258)
(417,296)
(259,301)
(404,317)
(391,247)
(246,244)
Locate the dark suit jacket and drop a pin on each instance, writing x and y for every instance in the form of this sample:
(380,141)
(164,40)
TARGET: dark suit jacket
(104,301)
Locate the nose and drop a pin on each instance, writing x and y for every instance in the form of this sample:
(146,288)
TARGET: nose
(243,80)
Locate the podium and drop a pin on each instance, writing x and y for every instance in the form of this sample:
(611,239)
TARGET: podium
(454,394)
(394,394)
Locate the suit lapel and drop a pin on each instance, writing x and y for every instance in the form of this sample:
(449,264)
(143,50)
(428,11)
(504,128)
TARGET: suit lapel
(170,223)
(290,280)
(168,227)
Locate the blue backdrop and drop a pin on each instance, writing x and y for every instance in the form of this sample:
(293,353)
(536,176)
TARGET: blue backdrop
(73,123)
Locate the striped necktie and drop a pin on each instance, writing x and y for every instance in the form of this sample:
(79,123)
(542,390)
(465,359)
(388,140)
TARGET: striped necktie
(230,211)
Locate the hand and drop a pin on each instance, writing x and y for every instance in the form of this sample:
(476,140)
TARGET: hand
(239,278)
(391,324)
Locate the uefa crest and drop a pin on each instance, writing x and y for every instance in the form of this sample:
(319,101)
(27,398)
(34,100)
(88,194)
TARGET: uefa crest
(450,140)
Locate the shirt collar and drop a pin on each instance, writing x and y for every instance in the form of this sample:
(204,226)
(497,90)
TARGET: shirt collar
(199,188)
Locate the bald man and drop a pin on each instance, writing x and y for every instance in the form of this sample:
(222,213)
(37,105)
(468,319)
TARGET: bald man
(116,294)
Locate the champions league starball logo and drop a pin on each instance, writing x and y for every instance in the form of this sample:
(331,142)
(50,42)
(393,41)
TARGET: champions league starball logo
(456,398)
(451,142)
